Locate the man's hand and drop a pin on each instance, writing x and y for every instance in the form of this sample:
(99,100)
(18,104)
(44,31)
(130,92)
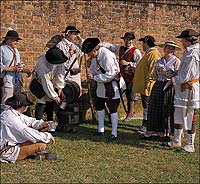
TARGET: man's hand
(57,100)
(163,71)
(53,140)
(45,124)
(27,71)
(90,77)
(123,62)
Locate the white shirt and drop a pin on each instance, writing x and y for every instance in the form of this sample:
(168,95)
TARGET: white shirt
(18,128)
(188,70)
(51,76)
(65,46)
(107,60)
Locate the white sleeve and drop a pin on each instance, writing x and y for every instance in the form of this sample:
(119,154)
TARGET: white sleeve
(48,86)
(187,71)
(20,129)
(31,122)
(111,47)
(34,136)
(59,77)
(137,56)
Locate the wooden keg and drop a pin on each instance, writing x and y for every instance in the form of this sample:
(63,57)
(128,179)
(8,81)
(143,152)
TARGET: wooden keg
(68,119)
(71,92)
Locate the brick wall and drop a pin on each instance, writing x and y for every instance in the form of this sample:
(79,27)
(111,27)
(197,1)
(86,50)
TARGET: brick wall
(37,21)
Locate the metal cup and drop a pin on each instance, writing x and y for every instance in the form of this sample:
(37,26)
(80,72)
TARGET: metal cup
(52,126)
(63,105)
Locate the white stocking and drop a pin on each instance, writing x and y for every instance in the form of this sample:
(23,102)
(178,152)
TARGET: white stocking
(101,116)
(114,120)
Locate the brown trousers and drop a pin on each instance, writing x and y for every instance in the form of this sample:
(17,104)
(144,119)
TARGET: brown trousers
(28,148)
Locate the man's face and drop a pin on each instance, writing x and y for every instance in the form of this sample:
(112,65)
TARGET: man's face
(71,36)
(12,42)
(145,46)
(128,42)
(93,53)
(185,43)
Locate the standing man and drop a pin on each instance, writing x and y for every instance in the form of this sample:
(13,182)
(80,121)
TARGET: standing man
(104,68)
(72,51)
(49,70)
(143,81)
(186,85)
(11,67)
(129,56)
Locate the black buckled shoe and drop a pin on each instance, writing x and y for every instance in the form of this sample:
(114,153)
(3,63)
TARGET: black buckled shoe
(100,134)
(46,156)
(112,138)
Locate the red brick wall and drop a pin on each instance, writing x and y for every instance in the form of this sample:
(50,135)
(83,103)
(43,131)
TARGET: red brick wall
(37,21)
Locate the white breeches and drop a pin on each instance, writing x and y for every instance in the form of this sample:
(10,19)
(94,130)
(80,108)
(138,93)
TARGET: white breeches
(180,118)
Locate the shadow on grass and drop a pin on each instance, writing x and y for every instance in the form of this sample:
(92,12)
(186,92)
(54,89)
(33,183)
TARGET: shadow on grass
(127,135)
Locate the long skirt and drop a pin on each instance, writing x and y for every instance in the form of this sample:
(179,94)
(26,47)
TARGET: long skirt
(160,116)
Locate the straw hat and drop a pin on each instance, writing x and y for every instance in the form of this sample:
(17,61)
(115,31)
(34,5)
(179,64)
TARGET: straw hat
(170,43)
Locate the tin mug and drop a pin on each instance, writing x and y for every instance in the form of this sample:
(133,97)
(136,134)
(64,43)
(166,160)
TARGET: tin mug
(52,126)
(63,105)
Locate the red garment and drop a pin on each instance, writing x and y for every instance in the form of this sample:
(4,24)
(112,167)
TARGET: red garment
(127,71)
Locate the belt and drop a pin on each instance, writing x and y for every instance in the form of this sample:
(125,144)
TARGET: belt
(189,85)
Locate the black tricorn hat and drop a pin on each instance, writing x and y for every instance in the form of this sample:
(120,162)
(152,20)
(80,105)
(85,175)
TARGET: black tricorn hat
(129,35)
(188,33)
(89,44)
(71,29)
(12,34)
(55,56)
(18,100)
(150,40)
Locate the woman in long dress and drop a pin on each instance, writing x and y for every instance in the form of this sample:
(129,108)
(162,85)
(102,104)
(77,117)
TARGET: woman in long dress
(161,109)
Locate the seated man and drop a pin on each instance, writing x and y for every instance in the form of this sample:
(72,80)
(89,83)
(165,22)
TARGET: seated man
(20,135)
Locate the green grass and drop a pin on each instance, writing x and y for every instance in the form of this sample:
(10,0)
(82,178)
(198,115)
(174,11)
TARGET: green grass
(85,158)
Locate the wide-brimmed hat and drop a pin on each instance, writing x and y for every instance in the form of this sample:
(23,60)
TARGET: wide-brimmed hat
(89,44)
(18,100)
(55,56)
(54,41)
(12,34)
(150,40)
(188,33)
(129,35)
(71,29)
(170,43)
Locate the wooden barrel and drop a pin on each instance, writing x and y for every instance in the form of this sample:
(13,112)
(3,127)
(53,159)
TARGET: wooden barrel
(71,92)
(68,119)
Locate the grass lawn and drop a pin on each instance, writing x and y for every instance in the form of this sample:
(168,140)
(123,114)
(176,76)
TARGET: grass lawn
(85,158)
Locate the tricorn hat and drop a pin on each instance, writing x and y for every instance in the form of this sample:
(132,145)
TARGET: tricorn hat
(89,44)
(12,34)
(150,40)
(129,35)
(188,33)
(55,56)
(18,100)
(170,43)
(71,29)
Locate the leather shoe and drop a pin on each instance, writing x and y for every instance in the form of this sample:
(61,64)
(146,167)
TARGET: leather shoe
(100,134)
(112,138)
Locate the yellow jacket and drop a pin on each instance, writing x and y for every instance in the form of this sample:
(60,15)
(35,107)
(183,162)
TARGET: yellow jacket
(143,72)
